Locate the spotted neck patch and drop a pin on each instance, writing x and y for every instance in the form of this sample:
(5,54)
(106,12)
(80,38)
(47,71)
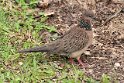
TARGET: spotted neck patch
(85,24)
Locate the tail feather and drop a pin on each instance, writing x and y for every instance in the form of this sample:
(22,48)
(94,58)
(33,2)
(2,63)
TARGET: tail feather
(35,49)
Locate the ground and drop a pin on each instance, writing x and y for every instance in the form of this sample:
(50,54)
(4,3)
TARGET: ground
(39,25)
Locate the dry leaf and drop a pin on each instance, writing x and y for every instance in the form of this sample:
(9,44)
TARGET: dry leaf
(49,13)
(44,3)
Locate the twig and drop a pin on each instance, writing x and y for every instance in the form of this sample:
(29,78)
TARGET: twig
(100,58)
(79,2)
(111,17)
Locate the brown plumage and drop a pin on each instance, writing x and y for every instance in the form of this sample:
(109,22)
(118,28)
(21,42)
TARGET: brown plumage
(74,42)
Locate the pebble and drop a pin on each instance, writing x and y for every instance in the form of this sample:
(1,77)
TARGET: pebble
(20,63)
(87,53)
(117,65)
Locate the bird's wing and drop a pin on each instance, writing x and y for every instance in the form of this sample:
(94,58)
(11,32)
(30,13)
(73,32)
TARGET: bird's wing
(75,40)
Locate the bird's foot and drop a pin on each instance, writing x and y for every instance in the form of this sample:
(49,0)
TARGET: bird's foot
(83,65)
(71,61)
(62,65)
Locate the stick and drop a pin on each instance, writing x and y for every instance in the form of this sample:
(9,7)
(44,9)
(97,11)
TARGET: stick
(79,2)
(111,17)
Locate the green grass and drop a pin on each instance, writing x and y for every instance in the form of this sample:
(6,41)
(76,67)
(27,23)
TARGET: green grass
(19,29)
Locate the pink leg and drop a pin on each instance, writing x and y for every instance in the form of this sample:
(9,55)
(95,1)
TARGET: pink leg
(71,60)
(80,62)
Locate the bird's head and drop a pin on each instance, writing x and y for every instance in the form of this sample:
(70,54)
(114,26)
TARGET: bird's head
(86,24)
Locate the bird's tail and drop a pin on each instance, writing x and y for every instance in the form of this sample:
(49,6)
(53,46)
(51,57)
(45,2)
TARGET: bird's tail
(35,49)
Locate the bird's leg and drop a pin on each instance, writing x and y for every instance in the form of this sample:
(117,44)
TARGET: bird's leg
(80,62)
(71,60)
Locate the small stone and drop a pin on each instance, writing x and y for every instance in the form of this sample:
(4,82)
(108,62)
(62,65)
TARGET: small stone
(87,52)
(20,63)
(117,65)
(91,71)
(2,68)
(49,13)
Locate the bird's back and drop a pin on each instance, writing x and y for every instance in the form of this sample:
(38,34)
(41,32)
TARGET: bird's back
(75,39)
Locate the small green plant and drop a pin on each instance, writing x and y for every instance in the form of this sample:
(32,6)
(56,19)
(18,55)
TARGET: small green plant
(27,3)
(105,79)
(91,80)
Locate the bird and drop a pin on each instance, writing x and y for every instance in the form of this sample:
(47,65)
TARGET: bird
(73,43)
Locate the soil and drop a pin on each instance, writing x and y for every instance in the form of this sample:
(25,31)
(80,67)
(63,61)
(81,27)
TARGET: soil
(107,51)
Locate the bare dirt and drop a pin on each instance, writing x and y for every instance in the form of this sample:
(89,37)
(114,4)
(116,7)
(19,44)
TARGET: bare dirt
(107,52)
